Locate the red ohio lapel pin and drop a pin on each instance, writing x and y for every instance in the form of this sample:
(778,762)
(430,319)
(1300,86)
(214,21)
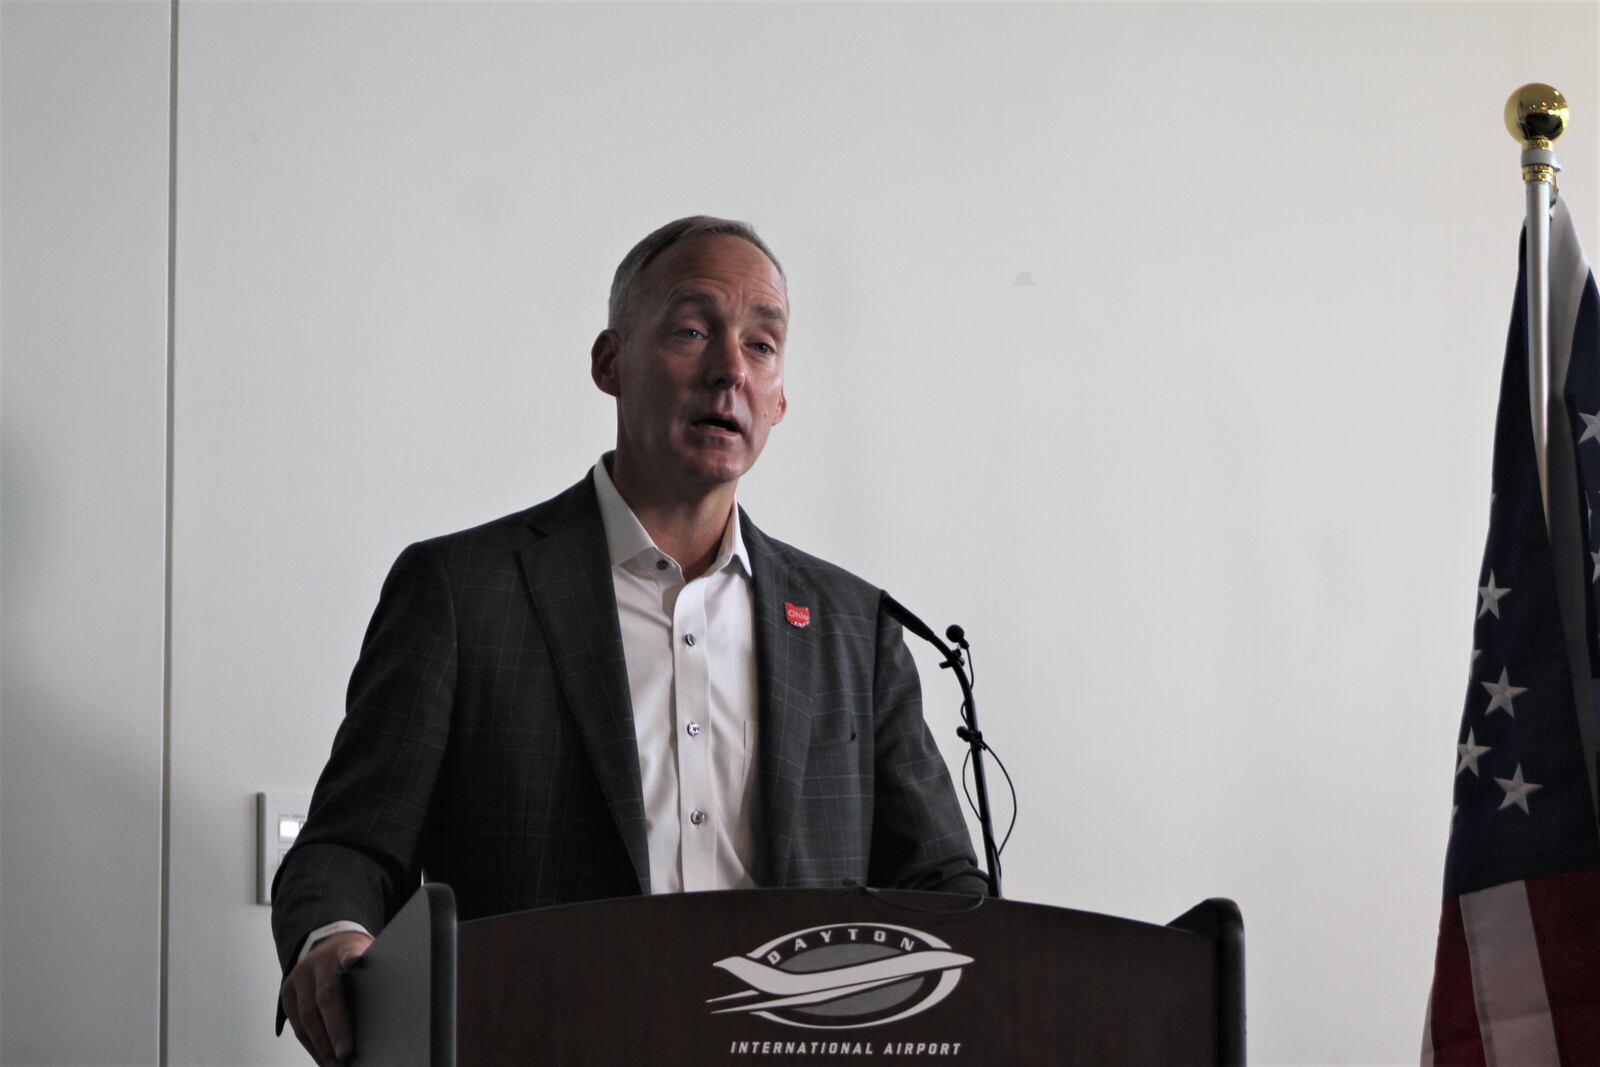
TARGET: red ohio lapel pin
(797,616)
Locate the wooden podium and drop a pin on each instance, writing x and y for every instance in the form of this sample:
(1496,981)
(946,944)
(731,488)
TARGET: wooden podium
(799,976)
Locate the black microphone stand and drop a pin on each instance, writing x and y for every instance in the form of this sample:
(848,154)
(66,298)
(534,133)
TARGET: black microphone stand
(969,731)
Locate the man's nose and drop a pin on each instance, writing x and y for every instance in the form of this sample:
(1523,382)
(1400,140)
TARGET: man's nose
(725,363)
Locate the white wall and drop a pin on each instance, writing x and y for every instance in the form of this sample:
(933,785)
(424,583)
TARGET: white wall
(83,253)
(1220,472)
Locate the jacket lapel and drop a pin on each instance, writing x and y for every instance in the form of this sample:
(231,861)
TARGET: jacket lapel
(785,668)
(569,578)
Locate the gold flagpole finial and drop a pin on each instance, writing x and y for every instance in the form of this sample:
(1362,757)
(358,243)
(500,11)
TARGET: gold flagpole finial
(1536,115)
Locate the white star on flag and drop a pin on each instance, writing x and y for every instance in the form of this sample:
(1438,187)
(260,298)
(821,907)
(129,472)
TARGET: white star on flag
(1503,692)
(1591,427)
(1517,791)
(1491,595)
(1470,751)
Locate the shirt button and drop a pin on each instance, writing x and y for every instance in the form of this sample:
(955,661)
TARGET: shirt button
(694,729)
(697,816)
(661,564)
(688,639)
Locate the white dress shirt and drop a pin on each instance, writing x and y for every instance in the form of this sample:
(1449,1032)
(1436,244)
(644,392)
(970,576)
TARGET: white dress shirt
(691,657)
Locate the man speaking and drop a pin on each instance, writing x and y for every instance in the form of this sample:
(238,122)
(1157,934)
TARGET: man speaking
(628,688)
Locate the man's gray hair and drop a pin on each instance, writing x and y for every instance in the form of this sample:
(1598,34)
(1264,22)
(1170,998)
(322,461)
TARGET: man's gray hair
(625,283)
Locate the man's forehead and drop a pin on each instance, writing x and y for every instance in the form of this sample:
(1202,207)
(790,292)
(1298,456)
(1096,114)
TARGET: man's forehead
(691,294)
(702,265)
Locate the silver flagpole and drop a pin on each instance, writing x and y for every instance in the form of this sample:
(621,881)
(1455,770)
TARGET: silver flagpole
(1536,115)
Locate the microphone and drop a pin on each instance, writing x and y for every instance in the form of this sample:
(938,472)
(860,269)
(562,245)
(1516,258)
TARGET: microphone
(968,731)
(902,615)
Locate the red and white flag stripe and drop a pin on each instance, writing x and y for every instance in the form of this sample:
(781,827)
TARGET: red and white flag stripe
(1515,976)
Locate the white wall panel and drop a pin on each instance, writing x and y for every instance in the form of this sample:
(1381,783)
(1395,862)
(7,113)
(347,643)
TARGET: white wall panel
(1208,495)
(83,251)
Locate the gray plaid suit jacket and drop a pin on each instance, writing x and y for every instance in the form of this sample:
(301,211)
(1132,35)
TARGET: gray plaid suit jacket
(488,739)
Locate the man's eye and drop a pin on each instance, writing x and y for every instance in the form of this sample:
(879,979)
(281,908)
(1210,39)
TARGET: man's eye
(689,333)
(764,347)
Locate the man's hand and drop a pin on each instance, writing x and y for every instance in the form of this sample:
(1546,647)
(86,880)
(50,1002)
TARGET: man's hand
(314,1001)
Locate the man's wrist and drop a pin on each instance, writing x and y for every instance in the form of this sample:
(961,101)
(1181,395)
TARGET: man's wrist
(322,933)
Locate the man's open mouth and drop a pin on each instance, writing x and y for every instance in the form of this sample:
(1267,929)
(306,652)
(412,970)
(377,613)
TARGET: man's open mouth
(717,422)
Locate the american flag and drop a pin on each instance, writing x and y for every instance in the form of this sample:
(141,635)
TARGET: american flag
(1516,977)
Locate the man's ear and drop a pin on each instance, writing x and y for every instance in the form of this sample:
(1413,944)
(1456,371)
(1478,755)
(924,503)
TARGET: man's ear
(783,407)
(603,361)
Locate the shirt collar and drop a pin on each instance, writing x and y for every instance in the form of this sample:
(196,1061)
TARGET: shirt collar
(627,540)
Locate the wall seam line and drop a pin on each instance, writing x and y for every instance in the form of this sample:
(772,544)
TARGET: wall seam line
(165,925)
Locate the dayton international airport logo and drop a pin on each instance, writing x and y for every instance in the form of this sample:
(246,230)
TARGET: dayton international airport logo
(843,977)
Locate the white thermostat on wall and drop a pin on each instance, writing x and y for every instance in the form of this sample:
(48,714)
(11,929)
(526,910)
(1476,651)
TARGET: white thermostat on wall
(279,817)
